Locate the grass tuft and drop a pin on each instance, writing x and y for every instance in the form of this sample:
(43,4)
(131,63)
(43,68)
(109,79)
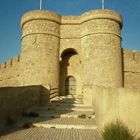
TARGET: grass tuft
(27,125)
(82,116)
(118,131)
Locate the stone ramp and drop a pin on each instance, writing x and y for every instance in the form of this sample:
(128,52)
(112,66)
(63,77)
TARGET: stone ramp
(65,118)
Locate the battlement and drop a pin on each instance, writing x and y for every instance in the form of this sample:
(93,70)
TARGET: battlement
(131,55)
(131,60)
(10,63)
(131,68)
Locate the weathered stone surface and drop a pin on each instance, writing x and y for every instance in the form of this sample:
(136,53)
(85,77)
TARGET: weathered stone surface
(86,48)
(118,104)
(17,100)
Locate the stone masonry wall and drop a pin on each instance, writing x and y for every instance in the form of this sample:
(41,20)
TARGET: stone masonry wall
(10,73)
(131,61)
(101,48)
(70,42)
(40,48)
(17,100)
(70,33)
(111,104)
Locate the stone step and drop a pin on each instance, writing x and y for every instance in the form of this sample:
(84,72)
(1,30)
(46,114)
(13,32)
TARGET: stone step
(67,123)
(68,104)
(60,126)
(70,97)
(66,114)
(67,101)
(65,108)
(66,98)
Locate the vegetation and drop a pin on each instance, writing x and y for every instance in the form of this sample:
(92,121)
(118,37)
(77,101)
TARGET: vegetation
(28,125)
(83,116)
(118,131)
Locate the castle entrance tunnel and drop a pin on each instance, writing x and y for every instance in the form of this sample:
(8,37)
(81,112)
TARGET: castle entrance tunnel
(70,72)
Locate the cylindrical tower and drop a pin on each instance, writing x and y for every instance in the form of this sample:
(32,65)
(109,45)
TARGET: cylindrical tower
(101,48)
(40,48)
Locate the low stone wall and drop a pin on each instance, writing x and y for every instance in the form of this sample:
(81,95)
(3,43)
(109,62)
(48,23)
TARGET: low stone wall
(118,103)
(16,100)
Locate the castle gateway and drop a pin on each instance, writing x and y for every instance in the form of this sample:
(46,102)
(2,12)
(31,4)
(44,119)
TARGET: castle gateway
(77,55)
(70,54)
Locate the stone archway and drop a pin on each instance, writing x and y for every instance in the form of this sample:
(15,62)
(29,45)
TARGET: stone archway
(70,68)
(70,85)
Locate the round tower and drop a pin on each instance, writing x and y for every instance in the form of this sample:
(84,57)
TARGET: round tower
(101,48)
(40,48)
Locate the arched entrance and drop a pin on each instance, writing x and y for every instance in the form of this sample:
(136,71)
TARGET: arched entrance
(70,85)
(70,68)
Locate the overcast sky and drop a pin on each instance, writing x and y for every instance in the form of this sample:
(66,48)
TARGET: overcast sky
(11,12)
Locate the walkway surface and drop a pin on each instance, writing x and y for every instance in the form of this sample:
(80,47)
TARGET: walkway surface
(65,118)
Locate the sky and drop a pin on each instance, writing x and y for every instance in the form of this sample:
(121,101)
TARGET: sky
(11,12)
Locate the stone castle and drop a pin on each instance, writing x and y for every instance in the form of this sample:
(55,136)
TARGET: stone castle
(76,55)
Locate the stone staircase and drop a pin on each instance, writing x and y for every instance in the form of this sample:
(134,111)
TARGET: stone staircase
(65,112)
(65,118)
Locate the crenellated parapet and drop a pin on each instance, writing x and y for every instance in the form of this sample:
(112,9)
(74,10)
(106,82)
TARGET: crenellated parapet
(10,72)
(10,63)
(131,61)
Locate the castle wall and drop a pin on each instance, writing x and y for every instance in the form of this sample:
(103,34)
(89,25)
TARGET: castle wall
(112,104)
(131,68)
(14,101)
(95,37)
(10,73)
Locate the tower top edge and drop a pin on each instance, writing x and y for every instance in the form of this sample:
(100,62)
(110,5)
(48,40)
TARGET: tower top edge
(40,14)
(92,14)
(103,14)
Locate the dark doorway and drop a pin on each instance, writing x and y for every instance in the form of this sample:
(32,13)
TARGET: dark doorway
(70,85)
